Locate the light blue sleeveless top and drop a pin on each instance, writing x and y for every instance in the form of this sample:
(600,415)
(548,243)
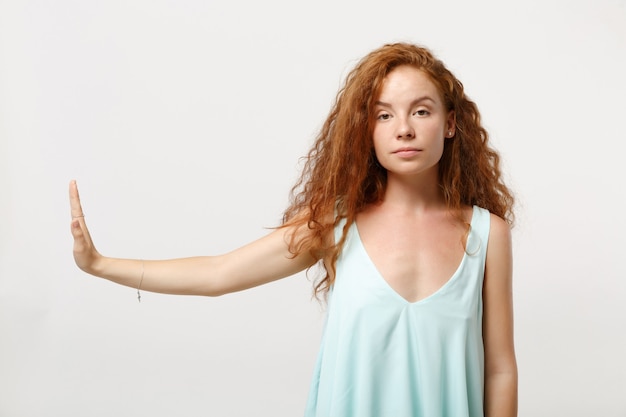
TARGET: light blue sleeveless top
(382,356)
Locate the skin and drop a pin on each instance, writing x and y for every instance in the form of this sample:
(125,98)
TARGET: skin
(411,127)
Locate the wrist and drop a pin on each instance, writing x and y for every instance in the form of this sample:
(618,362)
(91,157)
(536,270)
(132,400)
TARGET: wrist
(97,266)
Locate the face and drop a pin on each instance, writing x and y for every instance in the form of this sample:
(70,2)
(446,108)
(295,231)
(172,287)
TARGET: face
(411,124)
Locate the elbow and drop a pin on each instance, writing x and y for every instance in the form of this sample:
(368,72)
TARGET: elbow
(212,283)
(213,287)
(504,368)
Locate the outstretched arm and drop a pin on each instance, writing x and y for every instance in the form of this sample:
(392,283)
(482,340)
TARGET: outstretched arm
(500,363)
(256,263)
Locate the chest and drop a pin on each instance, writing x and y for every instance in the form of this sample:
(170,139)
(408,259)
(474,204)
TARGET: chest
(415,257)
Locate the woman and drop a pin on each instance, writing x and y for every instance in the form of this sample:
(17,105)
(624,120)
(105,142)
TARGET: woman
(402,202)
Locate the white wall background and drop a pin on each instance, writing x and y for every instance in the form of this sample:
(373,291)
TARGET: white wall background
(183,122)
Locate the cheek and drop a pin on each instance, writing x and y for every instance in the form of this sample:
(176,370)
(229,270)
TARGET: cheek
(436,128)
(377,141)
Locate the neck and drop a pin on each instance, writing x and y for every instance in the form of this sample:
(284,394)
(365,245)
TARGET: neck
(414,194)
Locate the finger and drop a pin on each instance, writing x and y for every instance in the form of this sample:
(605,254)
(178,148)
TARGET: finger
(82,239)
(76,209)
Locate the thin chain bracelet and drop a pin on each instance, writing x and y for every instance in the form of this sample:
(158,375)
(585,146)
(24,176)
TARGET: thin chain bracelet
(140,281)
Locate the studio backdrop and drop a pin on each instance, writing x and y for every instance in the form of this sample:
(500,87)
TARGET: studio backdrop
(184,123)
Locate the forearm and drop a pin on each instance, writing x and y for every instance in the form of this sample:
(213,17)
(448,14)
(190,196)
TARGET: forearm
(190,276)
(501,394)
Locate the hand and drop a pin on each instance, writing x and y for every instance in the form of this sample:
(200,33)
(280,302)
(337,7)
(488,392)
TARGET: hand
(85,254)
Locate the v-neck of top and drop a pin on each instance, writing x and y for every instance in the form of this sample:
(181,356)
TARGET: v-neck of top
(355,230)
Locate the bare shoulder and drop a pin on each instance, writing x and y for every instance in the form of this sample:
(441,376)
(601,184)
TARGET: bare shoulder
(499,232)
(499,251)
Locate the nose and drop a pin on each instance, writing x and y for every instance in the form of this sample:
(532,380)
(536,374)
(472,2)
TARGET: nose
(404,130)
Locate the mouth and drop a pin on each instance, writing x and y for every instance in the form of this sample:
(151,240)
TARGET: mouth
(406,152)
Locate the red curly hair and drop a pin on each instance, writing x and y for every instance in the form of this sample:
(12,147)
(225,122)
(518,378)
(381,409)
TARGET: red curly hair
(341,174)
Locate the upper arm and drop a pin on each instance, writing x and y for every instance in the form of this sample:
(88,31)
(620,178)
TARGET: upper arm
(259,262)
(498,300)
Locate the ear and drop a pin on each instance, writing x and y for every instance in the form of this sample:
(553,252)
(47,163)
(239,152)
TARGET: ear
(450,125)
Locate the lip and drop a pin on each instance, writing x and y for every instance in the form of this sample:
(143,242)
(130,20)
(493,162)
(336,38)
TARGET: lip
(406,152)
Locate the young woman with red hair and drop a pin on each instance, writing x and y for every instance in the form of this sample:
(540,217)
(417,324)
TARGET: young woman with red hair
(402,203)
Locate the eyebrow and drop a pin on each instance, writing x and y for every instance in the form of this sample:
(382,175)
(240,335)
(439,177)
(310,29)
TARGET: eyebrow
(413,103)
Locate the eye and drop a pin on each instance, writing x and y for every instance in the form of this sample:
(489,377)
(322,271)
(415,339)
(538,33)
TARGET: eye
(422,112)
(383,116)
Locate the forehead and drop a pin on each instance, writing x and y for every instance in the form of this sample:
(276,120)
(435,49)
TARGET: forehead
(407,81)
